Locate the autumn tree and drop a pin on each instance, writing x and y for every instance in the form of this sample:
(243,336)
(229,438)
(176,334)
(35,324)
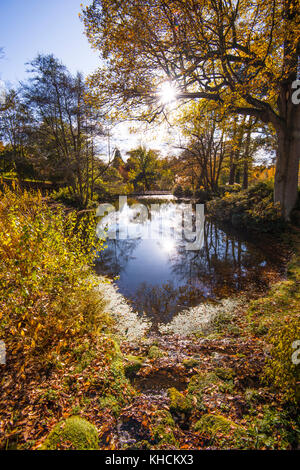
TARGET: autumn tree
(204,153)
(242,147)
(167,173)
(63,134)
(15,120)
(217,147)
(240,54)
(143,166)
(117,161)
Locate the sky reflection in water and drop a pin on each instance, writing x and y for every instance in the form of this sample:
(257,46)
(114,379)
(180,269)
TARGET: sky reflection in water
(160,277)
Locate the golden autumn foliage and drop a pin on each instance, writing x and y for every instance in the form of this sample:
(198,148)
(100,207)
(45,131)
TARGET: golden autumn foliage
(241,56)
(47,294)
(227,52)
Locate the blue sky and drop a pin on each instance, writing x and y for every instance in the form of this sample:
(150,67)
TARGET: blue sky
(29,27)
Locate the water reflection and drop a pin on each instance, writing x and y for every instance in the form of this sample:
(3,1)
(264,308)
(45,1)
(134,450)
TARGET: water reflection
(160,277)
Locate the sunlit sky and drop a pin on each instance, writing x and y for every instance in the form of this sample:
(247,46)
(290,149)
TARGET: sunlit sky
(29,27)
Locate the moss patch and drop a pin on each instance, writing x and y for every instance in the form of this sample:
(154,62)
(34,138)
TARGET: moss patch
(132,365)
(163,428)
(222,430)
(109,402)
(212,424)
(155,352)
(225,374)
(200,382)
(178,402)
(190,363)
(74,433)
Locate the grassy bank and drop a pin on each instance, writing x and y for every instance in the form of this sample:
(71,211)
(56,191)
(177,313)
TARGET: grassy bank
(276,316)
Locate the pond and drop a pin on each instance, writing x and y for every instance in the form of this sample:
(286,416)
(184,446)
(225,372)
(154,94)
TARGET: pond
(161,274)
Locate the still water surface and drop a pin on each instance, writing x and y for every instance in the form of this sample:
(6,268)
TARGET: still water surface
(160,277)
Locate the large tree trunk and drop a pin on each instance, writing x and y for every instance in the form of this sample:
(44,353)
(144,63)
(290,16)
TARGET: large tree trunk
(287,167)
(232,173)
(246,155)
(288,129)
(288,152)
(245,174)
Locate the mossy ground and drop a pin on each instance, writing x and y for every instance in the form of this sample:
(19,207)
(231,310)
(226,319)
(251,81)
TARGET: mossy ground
(155,352)
(74,433)
(163,428)
(132,365)
(179,403)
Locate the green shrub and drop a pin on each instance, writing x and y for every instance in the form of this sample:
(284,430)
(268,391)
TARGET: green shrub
(229,188)
(74,433)
(253,209)
(68,198)
(178,191)
(203,195)
(65,196)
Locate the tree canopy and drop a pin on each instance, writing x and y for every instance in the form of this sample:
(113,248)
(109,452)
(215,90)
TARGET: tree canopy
(241,55)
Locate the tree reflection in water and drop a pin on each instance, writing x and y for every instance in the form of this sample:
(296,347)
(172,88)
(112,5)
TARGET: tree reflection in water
(160,277)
